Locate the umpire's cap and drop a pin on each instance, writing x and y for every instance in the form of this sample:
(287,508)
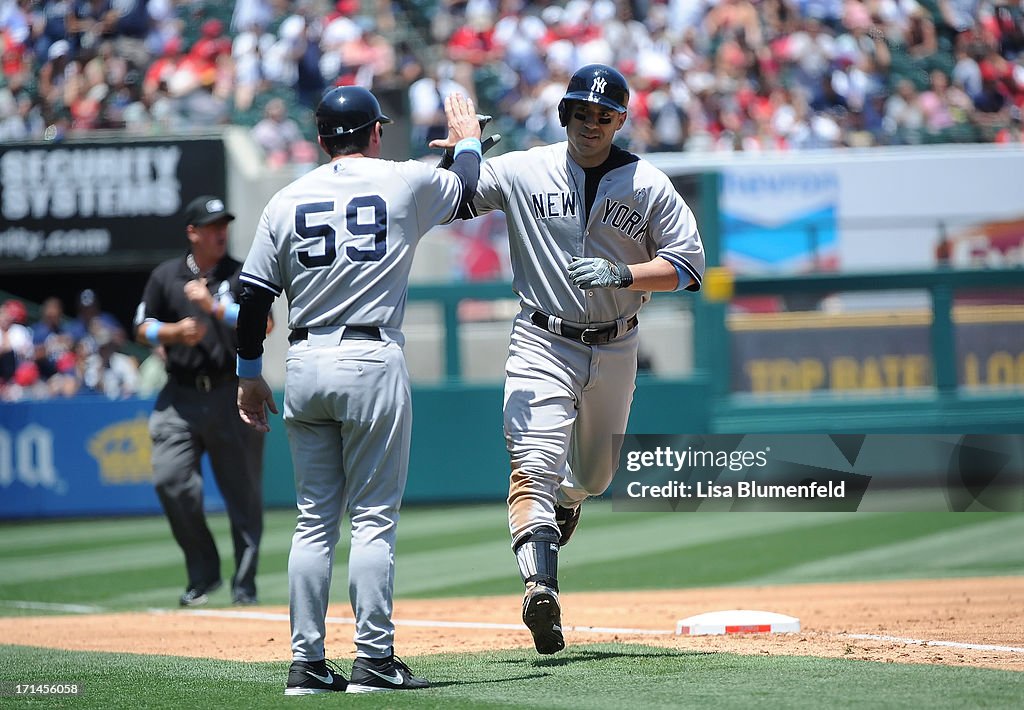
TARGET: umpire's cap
(206,209)
(596,83)
(347,109)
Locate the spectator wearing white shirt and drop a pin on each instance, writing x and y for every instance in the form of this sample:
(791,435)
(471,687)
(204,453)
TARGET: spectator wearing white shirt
(251,13)
(107,371)
(426,105)
(276,134)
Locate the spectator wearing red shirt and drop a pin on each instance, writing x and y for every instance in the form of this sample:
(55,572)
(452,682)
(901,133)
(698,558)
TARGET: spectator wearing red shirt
(15,339)
(159,73)
(212,40)
(473,42)
(12,55)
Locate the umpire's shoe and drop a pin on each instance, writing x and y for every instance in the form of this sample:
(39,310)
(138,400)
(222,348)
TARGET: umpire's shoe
(313,678)
(543,617)
(567,519)
(198,595)
(372,675)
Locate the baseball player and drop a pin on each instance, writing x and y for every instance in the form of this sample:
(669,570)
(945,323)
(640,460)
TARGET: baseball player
(339,243)
(593,230)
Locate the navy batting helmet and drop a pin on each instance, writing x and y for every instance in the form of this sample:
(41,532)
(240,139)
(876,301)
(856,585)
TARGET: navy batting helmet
(346,109)
(596,83)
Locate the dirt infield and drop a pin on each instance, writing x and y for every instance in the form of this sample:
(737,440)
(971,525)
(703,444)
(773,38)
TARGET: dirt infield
(984,611)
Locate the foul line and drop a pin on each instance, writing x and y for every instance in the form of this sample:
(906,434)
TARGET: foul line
(580,629)
(264,616)
(46,606)
(430,624)
(924,642)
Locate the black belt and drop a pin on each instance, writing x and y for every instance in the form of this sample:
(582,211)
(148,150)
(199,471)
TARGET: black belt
(352,332)
(202,381)
(587,336)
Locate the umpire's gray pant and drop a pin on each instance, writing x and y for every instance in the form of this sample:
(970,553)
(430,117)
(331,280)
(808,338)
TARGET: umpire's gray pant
(185,424)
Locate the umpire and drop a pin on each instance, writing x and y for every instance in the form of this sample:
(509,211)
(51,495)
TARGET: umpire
(190,307)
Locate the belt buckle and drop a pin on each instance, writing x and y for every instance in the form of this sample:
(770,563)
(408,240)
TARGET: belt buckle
(204,383)
(587,332)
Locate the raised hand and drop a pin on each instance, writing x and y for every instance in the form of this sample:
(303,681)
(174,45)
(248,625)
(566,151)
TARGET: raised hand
(463,121)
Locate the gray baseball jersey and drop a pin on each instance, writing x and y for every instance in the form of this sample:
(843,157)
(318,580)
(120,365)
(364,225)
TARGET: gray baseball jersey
(339,242)
(566,400)
(637,215)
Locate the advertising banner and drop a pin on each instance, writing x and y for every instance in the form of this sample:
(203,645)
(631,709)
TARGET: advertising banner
(780,219)
(80,457)
(811,352)
(883,209)
(81,205)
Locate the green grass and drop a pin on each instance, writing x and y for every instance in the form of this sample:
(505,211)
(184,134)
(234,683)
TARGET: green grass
(132,563)
(612,676)
(775,553)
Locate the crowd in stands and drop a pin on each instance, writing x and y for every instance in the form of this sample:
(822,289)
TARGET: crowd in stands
(725,75)
(706,75)
(57,356)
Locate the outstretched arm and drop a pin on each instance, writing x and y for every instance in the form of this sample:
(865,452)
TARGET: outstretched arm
(448,157)
(463,143)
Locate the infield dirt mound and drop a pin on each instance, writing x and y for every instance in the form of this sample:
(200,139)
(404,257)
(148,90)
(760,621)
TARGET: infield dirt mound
(984,611)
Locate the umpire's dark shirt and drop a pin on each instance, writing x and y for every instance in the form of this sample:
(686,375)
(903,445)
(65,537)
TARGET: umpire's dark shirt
(164,299)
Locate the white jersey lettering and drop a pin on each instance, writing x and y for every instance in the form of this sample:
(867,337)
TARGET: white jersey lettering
(541,247)
(624,218)
(637,215)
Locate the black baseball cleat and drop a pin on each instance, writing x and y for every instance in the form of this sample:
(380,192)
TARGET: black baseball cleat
(197,595)
(543,617)
(372,675)
(313,678)
(567,519)
(240,598)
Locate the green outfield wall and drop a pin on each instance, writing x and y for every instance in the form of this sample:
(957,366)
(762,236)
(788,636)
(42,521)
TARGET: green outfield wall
(458,448)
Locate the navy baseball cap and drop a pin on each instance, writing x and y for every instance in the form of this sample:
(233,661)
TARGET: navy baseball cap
(206,209)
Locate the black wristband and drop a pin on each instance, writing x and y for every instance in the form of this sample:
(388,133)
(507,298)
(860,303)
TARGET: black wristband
(625,275)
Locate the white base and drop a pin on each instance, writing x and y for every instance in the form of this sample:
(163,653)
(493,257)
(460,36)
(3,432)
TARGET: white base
(737,621)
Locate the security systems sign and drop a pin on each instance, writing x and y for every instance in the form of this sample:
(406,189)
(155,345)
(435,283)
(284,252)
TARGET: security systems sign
(76,205)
